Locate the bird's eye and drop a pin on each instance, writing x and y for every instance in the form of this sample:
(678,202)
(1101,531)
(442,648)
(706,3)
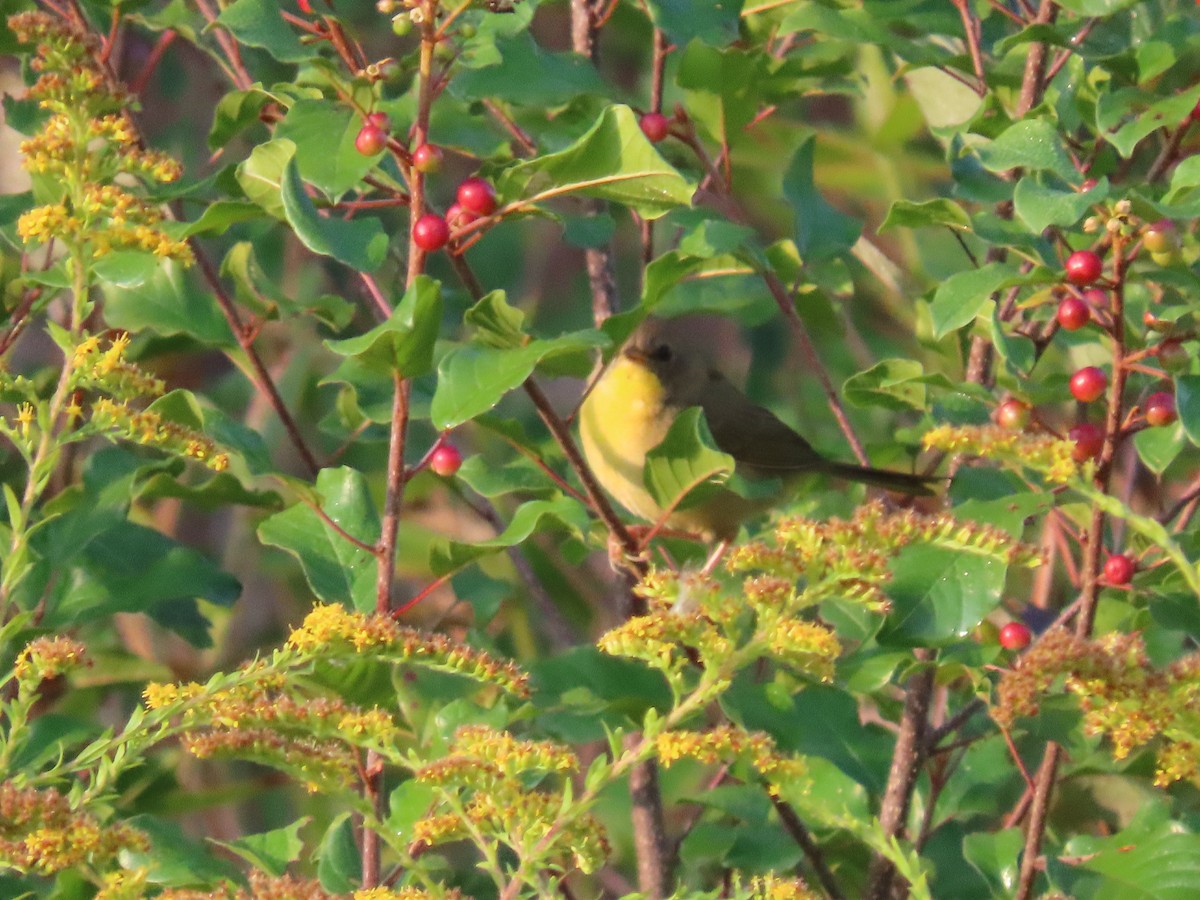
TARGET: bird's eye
(662,353)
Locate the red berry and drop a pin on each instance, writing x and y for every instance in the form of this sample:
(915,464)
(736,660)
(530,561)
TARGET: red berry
(1096,298)
(1088,384)
(1015,636)
(1159,408)
(380,120)
(427,158)
(1172,356)
(477,196)
(430,232)
(1073,313)
(1089,440)
(1012,415)
(446,460)
(1083,267)
(371,140)
(1088,184)
(1118,569)
(655,126)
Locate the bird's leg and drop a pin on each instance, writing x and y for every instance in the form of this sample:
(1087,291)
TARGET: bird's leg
(714,557)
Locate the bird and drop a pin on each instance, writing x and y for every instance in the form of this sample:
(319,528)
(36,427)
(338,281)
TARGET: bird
(662,370)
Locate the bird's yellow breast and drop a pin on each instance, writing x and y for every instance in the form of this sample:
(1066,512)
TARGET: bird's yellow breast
(621,421)
(625,417)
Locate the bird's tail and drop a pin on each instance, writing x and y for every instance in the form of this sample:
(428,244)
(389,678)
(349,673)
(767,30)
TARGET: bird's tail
(901,482)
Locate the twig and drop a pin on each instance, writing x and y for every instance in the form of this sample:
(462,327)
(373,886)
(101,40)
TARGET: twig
(907,760)
(802,837)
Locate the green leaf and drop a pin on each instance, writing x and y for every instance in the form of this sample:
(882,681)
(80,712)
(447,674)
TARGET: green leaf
(891,384)
(496,323)
(270,851)
(259,293)
(1162,867)
(965,295)
(939,595)
(1040,206)
(218,217)
(410,802)
(715,22)
(1097,7)
(1187,403)
(448,556)
(235,112)
(820,230)
(136,569)
(525,74)
(685,468)
(907,214)
(1158,447)
(612,161)
(404,343)
(258,23)
(1124,117)
(337,570)
(473,378)
(126,269)
(359,243)
(221,490)
(721,88)
(1030,144)
(339,868)
(260,175)
(324,133)
(173,859)
(167,303)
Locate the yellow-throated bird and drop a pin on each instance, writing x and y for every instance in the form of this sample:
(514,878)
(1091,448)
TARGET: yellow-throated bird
(661,371)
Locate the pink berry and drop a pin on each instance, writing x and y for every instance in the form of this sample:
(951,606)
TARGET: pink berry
(1088,384)
(430,232)
(1118,569)
(371,140)
(1073,313)
(1089,441)
(655,126)
(446,460)
(1096,298)
(1083,267)
(427,158)
(1160,409)
(380,120)
(1015,636)
(477,196)
(1172,356)
(1012,415)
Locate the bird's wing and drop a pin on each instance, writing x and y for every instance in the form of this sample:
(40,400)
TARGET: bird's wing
(752,435)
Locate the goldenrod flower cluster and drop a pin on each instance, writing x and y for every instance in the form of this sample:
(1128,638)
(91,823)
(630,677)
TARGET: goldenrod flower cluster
(106,369)
(487,772)
(40,833)
(269,887)
(48,657)
(1121,695)
(261,719)
(117,417)
(773,887)
(1042,453)
(729,743)
(332,629)
(84,146)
